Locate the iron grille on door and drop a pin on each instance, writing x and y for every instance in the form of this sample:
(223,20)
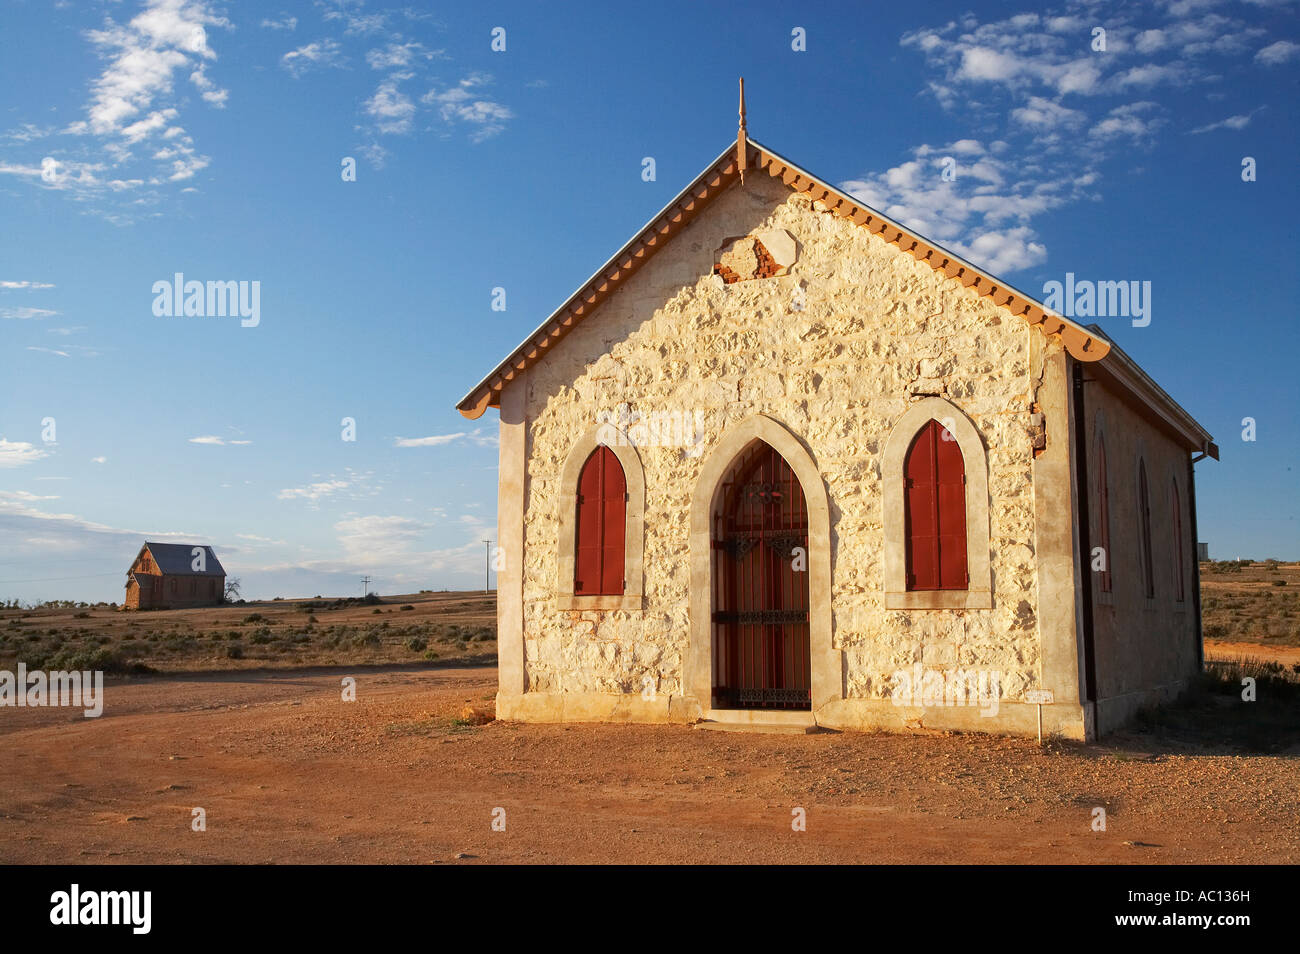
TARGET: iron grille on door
(760,587)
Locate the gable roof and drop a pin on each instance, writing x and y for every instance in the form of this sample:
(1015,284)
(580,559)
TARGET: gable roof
(175,559)
(1083,343)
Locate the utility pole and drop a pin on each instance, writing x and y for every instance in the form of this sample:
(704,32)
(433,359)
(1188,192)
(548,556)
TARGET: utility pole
(365,587)
(487,566)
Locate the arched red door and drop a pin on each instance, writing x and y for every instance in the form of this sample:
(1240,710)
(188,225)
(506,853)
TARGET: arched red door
(760,587)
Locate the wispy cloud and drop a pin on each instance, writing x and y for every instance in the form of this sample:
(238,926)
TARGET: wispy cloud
(322,54)
(475,437)
(256,539)
(352,485)
(18,453)
(313,492)
(213,439)
(144,56)
(27,285)
(68,351)
(24,496)
(466,103)
(130,139)
(25,313)
(284,23)
(1240,121)
(1275,54)
(398,55)
(1046,104)
(391,109)
(354,22)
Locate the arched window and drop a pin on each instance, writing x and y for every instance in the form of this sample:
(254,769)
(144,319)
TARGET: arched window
(934,477)
(1175,503)
(1144,518)
(601,521)
(1103,514)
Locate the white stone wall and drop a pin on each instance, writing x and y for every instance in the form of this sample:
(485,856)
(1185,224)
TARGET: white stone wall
(835,350)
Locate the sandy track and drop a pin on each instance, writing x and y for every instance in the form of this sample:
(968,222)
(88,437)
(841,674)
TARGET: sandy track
(287,772)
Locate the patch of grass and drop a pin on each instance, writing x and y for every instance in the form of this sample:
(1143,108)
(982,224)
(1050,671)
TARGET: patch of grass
(1213,711)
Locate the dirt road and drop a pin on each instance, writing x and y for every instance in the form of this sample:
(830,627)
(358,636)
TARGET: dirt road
(287,772)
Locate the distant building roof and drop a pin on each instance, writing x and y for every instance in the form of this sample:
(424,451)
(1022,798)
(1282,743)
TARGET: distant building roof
(177,559)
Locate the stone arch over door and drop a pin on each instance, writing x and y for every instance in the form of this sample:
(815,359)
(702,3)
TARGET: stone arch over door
(825,662)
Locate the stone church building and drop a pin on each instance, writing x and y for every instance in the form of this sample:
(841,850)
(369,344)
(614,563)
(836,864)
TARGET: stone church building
(783,461)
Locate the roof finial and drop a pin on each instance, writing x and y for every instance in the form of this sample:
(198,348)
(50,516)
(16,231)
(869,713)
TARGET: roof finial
(741,136)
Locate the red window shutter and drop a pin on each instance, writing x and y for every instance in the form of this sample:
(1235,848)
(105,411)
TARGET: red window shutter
(601,520)
(935,503)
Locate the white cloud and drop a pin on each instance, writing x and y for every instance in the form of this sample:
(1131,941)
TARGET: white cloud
(1277,53)
(284,23)
(143,57)
(323,54)
(133,102)
(23,495)
(397,55)
(356,24)
(99,460)
(983,215)
(1044,114)
(313,492)
(256,539)
(213,439)
(475,436)
(1127,121)
(24,313)
(391,109)
(61,354)
(436,441)
(463,104)
(1033,81)
(29,285)
(17,453)
(1240,121)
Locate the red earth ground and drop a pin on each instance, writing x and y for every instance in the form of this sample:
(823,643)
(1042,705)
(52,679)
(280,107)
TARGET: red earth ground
(288,772)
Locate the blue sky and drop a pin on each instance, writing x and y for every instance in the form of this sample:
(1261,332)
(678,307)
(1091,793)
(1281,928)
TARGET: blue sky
(143,138)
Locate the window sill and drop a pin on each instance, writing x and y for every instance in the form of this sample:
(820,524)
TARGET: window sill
(939,599)
(626,601)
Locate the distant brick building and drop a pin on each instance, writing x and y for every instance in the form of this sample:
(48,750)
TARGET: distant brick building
(174,575)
